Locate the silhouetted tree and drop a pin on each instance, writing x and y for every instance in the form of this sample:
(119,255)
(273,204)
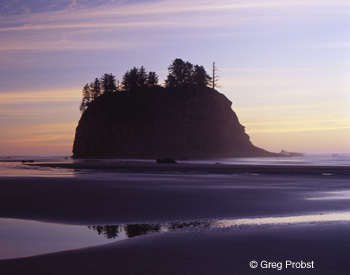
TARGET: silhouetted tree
(200,76)
(171,81)
(179,73)
(152,79)
(183,73)
(142,77)
(215,78)
(131,79)
(108,83)
(86,98)
(188,72)
(109,231)
(95,88)
(133,230)
(137,78)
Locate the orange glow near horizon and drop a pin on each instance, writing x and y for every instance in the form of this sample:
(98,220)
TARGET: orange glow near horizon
(52,127)
(38,122)
(283,64)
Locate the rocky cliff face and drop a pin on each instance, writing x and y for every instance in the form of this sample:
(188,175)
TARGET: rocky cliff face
(162,123)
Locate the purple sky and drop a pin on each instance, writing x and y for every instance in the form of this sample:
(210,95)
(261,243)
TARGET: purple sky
(284,64)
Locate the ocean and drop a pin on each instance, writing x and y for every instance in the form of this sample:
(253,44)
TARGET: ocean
(300,199)
(12,165)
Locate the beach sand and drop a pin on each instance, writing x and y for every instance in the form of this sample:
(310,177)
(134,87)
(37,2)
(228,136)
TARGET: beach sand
(136,193)
(219,252)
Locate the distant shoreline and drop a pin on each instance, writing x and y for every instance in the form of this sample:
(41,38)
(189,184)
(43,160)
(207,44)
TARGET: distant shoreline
(218,168)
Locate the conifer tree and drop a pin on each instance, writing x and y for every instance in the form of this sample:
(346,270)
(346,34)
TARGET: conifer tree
(95,88)
(131,80)
(178,73)
(152,79)
(86,98)
(200,76)
(142,77)
(108,83)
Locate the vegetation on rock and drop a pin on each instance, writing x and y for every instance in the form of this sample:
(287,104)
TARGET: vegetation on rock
(137,80)
(182,119)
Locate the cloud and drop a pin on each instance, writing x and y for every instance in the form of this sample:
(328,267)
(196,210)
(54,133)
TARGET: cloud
(270,42)
(43,96)
(66,29)
(295,126)
(340,45)
(41,139)
(142,12)
(37,129)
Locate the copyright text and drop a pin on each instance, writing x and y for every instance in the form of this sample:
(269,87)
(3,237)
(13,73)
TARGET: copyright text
(288,264)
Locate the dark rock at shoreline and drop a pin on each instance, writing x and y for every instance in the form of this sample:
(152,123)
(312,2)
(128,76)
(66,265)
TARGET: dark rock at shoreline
(166,160)
(162,122)
(27,161)
(292,154)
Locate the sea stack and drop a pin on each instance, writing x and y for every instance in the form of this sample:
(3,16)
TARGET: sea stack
(160,123)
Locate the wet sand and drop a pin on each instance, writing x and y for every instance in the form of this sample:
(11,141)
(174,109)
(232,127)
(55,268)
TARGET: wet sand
(220,252)
(217,168)
(146,193)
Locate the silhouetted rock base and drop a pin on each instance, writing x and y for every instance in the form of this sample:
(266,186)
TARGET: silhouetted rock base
(166,160)
(184,123)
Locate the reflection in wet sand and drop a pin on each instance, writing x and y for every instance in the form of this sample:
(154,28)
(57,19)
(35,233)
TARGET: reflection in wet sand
(333,195)
(16,168)
(20,238)
(133,230)
(331,217)
(23,238)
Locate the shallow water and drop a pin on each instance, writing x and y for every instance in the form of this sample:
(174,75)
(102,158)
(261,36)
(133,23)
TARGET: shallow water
(23,238)
(13,167)
(307,160)
(332,195)
(341,159)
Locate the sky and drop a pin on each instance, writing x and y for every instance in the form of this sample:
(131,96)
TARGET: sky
(285,65)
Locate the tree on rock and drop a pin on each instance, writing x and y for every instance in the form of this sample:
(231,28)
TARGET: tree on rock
(138,78)
(138,81)
(86,98)
(200,76)
(108,83)
(95,88)
(142,77)
(130,79)
(183,73)
(152,79)
(180,73)
(215,78)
